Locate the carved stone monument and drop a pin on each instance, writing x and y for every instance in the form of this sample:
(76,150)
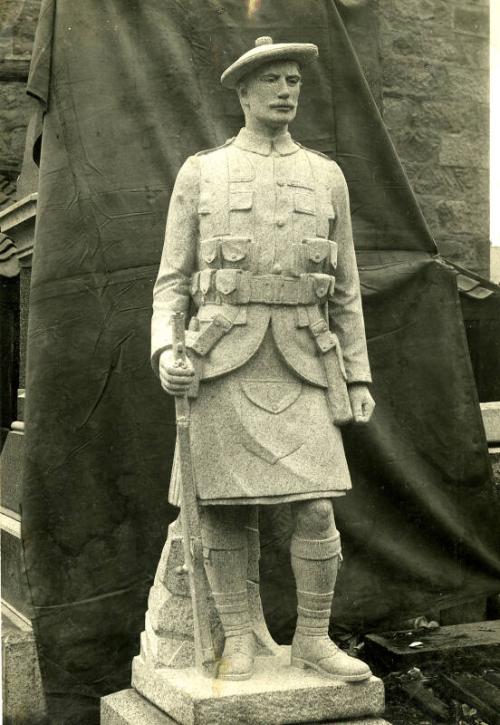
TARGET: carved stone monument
(259,239)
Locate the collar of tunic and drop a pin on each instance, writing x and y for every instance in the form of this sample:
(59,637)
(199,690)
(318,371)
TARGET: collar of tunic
(248,141)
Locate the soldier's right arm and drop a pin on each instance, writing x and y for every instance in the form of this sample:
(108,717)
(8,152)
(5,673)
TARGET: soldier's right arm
(178,262)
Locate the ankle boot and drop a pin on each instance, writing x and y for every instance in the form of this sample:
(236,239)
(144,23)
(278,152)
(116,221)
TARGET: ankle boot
(226,566)
(238,656)
(315,565)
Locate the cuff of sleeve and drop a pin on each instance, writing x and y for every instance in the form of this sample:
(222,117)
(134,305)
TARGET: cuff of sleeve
(359,380)
(155,359)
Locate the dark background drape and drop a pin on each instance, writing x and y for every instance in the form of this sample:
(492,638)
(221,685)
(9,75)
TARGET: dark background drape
(128,89)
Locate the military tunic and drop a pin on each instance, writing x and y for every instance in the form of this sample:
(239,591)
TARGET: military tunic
(259,238)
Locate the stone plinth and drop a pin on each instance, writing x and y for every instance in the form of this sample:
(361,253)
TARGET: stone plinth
(169,689)
(491,420)
(23,697)
(129,708)
(276,694)
(495,463)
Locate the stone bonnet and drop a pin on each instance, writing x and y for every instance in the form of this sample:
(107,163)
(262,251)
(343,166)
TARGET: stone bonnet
(265,51)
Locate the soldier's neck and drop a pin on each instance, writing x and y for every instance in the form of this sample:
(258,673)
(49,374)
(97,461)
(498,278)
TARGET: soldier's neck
(262,129)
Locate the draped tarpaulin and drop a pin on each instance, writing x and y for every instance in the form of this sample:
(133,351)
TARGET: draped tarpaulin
(130,88)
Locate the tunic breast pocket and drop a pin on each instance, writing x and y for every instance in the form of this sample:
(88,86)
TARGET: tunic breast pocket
(304,201)
(304,213)
(240,212)
(212,217)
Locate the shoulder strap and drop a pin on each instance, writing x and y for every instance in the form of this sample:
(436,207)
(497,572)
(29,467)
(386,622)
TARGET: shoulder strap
(216,148)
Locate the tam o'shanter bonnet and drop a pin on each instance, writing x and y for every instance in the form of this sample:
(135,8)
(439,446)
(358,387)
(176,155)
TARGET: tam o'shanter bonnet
(265,51)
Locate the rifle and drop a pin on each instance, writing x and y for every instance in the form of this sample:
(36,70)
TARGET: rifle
(190,516)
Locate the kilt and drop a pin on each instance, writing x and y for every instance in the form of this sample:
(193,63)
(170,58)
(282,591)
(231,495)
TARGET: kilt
(261,435)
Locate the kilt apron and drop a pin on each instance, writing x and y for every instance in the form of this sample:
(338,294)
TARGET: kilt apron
(261,435)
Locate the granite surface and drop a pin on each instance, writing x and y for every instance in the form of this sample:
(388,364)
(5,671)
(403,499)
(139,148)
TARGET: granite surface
(275,689)
(129,708)
(11,471)
(23,697)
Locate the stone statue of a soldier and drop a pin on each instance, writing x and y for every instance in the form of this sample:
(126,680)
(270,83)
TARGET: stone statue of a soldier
(259,239)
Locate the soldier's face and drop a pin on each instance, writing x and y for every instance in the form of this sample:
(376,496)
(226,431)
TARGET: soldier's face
(270,95)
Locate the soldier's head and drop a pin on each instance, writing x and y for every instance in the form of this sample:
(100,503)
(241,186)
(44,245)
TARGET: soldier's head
(269,95)
(268,79)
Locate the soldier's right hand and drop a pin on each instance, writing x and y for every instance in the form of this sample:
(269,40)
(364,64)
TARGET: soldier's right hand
(175,378)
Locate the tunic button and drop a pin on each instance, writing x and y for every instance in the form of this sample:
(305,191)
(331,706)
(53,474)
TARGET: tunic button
(277,269)
(317,257)
(280,222)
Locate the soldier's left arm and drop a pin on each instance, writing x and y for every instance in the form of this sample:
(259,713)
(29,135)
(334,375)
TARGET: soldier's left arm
(345,310)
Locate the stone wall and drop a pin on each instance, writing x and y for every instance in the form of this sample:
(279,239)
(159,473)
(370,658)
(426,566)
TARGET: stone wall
(434,65)
(17,22)
(427,63)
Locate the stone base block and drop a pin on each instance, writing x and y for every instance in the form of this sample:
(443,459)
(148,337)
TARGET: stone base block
(495,463)
(11,471)
(14,583)
(23,697)
(491,420)
(276,694)
(129,708)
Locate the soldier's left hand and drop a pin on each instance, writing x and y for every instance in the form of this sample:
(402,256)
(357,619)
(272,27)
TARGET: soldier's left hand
(362,403)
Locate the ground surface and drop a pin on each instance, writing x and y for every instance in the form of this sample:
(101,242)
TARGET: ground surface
(401,710)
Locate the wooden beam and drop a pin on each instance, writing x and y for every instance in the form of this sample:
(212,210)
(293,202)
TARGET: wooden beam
(476,692)
(427,700)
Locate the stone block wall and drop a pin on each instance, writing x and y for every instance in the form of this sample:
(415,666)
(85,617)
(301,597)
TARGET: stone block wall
(18,20)
(435,77)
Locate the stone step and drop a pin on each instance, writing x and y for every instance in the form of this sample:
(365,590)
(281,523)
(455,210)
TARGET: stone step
(14,584)
(11,471)
(23,697)
(129,708)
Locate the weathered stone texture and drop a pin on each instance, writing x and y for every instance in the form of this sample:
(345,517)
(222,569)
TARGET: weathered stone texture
(472,20)
(434,64)
(23,696)
(277,693)
(495,463)
(129,708)
(15,108)
(18,20)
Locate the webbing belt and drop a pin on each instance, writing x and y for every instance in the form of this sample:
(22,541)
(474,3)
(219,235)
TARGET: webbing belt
(239,287)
